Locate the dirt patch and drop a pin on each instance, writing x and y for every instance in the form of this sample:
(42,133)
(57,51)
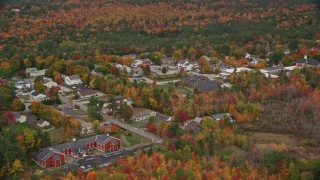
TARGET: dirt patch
(265,142)
(69,159)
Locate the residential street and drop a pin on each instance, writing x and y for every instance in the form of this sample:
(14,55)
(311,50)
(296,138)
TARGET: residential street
(154,138)
(83,108)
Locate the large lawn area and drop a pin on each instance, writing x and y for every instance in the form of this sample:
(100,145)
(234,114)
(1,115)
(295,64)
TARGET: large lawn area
(58,136)
(166,77)
(129,139)
(181,90)
(231,152)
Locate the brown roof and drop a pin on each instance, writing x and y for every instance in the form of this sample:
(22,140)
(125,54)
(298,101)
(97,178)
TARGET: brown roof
(87,92)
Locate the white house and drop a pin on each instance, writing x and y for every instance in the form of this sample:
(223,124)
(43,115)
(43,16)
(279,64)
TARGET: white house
(36,96)
(136,63)
(20,117)
(128,101)
(87,93)
(25,92)
(50,84)
(72,80)
(142,114)
(235,70)
(42,123)
(128,69)
(33,72)
(22,85)
(185,64)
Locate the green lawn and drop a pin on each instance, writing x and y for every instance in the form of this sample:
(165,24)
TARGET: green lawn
(167,77)
(139,124)
(231,152)
(24,97)
(58,136)
(181,90)
(129,139)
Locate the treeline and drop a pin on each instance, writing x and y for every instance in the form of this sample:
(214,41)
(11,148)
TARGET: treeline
(68,34)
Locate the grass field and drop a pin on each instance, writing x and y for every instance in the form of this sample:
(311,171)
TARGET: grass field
(166,77)
(231,152)
(139,124)
(180,90)
(58,136)
(130,139)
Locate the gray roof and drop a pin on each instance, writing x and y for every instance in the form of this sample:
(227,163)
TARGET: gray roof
(182,61)
(207,86)
(101,139)
(29,90)
(34,93)
(117,98)
(273,68)
(87,92)
(197,120)
(74,77)
(308,61)
(40,121)
(221,115)
(17,115)
(45,153)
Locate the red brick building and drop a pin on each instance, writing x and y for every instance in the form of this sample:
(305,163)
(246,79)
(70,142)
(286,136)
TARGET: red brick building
(55,156)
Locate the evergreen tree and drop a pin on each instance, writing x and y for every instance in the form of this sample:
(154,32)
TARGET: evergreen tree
(211,144)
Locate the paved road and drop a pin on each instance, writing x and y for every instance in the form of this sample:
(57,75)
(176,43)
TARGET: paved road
(154,138)
(123,125)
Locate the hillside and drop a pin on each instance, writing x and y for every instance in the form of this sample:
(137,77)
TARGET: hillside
(78,28)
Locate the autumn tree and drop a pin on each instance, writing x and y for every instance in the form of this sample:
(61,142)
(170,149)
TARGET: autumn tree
(94,108)
(17,105)
(204,66)
(127,113)
(96,126)
(16,168)
(39,86)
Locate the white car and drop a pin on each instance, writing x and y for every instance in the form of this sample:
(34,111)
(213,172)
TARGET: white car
(169,119)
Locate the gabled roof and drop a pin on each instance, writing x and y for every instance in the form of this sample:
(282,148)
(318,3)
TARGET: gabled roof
(46,152)
(192,126)
(197,120)
(116,98)
(17,114)
(101,139)
(87,92)
(29,90)
(41,121)
(76,146)
(141,112)
(308,61)
(34,93)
